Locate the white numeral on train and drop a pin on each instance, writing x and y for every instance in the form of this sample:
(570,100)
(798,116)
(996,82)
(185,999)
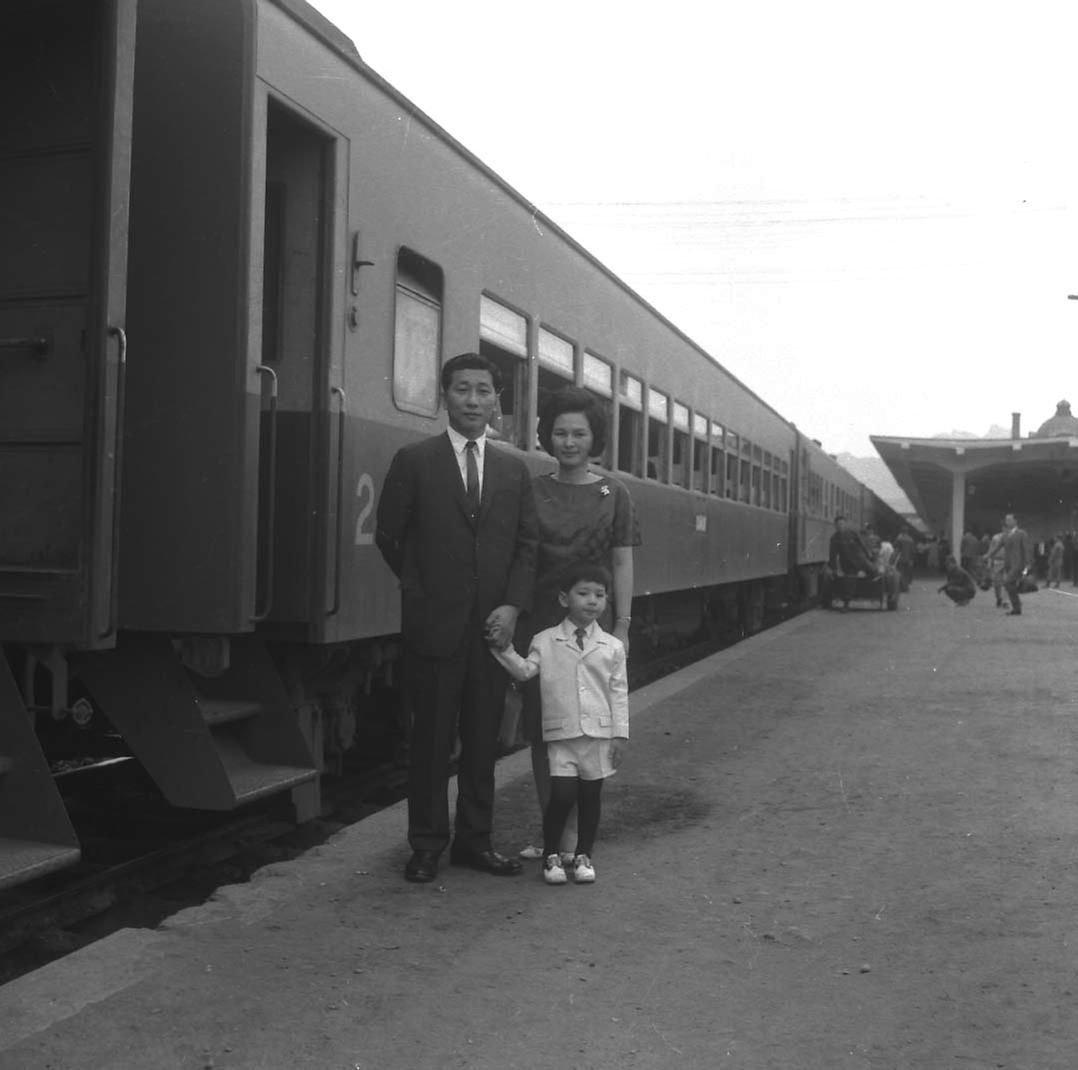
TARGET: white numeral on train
(365,494)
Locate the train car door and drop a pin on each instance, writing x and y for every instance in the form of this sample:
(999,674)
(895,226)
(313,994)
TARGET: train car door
(66,70)
(302,408)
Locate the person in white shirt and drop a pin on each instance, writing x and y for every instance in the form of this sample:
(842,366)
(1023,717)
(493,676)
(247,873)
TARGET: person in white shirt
(585,704)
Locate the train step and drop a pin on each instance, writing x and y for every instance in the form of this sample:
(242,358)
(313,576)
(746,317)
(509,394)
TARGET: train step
(36,836)
(227,711)
(209,742)
(25,860)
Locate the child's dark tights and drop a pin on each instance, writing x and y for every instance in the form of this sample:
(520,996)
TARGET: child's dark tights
(564,792)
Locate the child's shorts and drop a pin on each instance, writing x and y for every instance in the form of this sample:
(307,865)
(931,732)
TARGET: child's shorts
(583,757)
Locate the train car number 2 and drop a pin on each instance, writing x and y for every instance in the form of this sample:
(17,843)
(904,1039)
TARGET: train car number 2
(365,494)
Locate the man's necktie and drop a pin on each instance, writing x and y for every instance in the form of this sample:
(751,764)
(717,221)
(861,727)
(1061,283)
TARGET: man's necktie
(470,451)
(580,633)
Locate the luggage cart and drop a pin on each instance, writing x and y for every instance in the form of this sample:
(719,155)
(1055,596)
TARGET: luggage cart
(878,588)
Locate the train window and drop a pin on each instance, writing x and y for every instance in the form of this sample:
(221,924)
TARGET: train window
(776,499)
(757,491)
(732,448)
(699,465)
(765,482)
(717,462)
(417,339)
(699,453)
(556,353)
(745,481)
(556,364)
(503,338)
(681,456)
(598,378)
(630,424)
(658,434)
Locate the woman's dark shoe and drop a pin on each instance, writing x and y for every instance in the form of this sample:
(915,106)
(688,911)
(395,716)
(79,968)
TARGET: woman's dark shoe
(422,867)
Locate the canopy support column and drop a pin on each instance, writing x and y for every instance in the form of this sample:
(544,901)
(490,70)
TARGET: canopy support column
(958,510)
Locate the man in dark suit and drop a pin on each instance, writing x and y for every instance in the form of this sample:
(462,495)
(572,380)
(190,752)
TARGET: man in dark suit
(1017,559)
(456,523)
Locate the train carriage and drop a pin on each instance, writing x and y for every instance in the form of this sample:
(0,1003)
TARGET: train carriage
(305,250)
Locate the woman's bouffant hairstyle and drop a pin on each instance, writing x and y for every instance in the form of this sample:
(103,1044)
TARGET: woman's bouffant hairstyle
(573,399)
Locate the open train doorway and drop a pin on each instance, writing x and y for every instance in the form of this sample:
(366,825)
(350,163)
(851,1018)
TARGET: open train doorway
(295,432)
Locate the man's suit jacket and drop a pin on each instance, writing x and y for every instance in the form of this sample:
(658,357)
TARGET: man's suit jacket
(448,566)
(1017,552)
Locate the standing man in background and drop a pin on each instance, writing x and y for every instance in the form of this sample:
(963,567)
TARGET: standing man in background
(904,546)
(1017,558)
(456,524)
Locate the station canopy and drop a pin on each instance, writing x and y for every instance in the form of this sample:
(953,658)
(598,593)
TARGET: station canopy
(958,484)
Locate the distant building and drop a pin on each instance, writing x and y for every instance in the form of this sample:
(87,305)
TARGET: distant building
(957,484)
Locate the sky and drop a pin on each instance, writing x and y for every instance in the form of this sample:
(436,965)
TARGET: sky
(868,213)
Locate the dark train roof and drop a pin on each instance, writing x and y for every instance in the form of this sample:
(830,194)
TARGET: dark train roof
(343,45)
(321,27)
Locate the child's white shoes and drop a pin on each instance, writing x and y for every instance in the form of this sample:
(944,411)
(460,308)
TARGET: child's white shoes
(553,873)
(554,867)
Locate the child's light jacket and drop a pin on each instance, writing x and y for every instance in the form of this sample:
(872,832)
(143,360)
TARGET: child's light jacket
(584,692)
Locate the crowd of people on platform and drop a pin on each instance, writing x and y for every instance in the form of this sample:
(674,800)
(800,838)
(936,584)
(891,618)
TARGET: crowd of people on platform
(1008,561)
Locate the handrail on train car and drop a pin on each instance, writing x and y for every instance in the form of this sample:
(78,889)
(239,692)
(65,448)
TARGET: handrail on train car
(339,391)
(117,472)
(271,497)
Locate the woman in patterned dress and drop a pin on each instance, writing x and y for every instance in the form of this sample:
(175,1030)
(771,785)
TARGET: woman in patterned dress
(583,516)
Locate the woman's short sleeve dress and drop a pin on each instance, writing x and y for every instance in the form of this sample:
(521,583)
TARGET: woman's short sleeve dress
(577,522)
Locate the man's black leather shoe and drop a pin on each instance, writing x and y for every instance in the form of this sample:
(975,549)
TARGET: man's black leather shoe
(486,862)
(422,867)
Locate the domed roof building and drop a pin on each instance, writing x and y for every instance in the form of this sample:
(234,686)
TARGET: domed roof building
(1062,425)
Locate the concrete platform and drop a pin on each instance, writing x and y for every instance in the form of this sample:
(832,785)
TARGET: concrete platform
(847,842)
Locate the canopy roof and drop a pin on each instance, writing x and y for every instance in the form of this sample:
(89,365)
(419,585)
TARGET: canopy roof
(1008,475)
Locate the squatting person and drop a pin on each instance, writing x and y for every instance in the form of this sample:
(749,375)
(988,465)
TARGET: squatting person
(960,586)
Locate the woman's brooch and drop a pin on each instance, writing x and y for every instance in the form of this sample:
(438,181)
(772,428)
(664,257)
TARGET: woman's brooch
(604,489)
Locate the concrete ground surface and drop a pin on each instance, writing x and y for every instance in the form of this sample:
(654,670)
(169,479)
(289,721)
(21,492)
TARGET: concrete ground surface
(846,843)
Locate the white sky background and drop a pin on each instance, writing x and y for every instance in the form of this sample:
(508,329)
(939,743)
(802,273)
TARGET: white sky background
(866,212)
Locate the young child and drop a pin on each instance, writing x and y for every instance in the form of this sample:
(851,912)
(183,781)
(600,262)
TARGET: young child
(585,700)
